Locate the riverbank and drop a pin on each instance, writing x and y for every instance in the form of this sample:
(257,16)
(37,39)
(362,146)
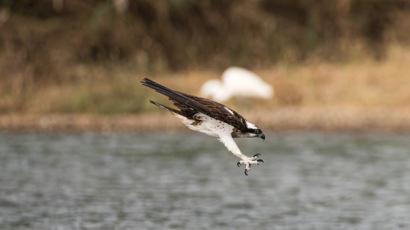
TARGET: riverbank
(111,92)
(365,95)
(328,119)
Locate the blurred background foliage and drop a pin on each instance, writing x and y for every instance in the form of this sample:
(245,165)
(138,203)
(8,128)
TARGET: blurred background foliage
(85,43)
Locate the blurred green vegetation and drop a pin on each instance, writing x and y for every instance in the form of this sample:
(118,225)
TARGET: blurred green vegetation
(75,42)
(120,98)
(181,34)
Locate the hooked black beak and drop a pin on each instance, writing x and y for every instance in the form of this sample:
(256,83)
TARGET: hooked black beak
(262,136)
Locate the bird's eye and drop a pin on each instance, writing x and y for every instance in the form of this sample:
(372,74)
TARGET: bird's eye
(258,131)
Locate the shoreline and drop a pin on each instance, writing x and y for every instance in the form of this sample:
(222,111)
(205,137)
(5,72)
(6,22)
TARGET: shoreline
(326,119)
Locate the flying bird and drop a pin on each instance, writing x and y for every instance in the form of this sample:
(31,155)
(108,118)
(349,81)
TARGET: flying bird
(212,118)
(237,82)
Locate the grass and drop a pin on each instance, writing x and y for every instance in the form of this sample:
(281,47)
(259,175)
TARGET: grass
(86,59)
(359,95)
(361,84)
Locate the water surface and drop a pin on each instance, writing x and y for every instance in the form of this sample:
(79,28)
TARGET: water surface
(130,181)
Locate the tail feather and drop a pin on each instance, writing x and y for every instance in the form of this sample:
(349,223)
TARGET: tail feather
(174,96)
(157,87)
(166,107)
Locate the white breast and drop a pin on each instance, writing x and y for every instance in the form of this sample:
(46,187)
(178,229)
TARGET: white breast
(208,125)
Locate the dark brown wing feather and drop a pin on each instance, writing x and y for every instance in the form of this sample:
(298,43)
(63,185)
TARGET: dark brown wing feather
(190,105)
(218,112)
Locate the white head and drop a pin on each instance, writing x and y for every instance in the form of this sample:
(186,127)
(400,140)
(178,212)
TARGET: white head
(251,131)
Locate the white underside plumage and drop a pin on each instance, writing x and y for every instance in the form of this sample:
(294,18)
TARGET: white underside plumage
(220,129)
(208,125)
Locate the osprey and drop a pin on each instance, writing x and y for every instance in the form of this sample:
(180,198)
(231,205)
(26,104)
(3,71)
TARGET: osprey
(212,118)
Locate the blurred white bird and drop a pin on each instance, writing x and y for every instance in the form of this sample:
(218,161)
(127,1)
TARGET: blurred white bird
(237,81)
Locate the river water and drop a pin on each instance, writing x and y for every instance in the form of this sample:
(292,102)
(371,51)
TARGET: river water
(182,181)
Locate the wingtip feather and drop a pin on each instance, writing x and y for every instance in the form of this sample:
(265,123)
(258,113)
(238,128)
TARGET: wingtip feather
(145,81)
(148,82)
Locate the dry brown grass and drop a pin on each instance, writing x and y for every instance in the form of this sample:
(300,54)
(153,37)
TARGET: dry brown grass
(359,95)
(365,83)
(362,83)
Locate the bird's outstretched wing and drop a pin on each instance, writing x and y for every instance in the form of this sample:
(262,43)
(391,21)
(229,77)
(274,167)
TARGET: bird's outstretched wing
(190,105)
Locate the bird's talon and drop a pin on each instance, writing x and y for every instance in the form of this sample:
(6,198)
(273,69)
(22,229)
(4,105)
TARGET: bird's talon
(249,161)
(256,155)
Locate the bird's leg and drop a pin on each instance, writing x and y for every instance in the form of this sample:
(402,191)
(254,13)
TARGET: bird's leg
(248,161)
(230,144)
